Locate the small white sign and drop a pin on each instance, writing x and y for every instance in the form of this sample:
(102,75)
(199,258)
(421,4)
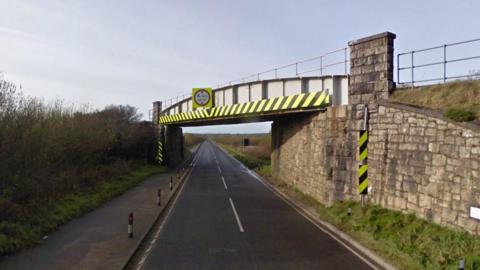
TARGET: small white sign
(475,212)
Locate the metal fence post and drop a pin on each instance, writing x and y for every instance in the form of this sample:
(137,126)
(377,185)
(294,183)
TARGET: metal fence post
(413,68)
(444,63)
(321,65)
(398,69)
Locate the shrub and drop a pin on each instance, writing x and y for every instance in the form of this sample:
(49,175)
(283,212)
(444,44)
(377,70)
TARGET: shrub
(460,114)
(48,150)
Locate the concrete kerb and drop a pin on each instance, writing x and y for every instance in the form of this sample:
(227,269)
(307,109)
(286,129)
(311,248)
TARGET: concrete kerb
(165,206)
(347,241)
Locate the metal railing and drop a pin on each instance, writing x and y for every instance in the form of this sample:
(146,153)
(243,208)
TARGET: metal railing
(443,63)
(338,59)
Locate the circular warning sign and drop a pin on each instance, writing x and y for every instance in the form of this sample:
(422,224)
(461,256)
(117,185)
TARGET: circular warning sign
(202,97)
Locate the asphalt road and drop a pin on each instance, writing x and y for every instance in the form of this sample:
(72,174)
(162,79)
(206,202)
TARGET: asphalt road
(225,218)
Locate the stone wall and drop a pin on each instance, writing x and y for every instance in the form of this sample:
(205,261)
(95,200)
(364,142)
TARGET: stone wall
(422,163)
(316,154)
(419,162)
(371,68)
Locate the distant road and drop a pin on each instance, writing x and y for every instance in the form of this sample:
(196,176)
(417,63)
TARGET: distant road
(225,218)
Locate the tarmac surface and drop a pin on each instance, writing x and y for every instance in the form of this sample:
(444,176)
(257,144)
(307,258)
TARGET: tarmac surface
(225,218)
(98,239)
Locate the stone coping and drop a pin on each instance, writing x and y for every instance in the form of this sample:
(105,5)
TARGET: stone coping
(373,37)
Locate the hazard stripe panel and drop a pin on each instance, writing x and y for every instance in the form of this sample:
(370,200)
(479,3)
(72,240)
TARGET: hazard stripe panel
(363,143)
(258,107)
(160,152)
(363,179)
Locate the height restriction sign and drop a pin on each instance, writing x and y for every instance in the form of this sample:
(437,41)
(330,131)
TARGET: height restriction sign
(202,98)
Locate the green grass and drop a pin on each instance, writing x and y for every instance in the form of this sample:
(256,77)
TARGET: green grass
(458,94)
(403,239)
(460,114)
(15,236)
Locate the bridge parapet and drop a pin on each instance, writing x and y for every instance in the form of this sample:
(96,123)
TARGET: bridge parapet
(257,109)
(336,86)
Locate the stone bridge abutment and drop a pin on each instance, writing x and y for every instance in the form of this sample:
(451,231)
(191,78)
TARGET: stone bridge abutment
(418,161)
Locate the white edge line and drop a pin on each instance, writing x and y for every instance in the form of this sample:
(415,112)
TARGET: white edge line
(236,215)
(277,192)
(282,196)
(224,183)
(145,255)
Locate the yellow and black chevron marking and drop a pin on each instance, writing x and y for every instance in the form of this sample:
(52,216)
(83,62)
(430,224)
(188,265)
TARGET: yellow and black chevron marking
(160,152)
(363,143)
(295,102)
(363,179)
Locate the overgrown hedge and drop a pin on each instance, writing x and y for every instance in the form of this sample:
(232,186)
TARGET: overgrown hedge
(48,151)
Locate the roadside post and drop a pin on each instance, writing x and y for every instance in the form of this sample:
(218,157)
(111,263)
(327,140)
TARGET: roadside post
(363,155)
(159,197)
(171,183)
(461,265)
(130,225)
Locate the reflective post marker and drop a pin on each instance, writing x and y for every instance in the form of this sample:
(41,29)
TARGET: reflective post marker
(130,225)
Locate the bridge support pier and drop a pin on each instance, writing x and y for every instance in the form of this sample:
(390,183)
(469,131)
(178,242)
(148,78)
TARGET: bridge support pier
(318,153)
(174,151)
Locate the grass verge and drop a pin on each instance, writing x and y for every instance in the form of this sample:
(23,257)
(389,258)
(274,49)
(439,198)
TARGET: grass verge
(404,240)
(15,236)
(249,161)
(458,95)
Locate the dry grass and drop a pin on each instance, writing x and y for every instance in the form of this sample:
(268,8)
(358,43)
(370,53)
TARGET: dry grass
(459,94)
(190,140)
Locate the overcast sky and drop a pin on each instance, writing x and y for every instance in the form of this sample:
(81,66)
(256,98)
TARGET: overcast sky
(101,52)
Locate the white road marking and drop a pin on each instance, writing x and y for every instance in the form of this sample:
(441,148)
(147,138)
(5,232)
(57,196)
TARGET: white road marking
(140,263)
(224,184)
(292,205)
(152,242)
(219,169)
(236,215)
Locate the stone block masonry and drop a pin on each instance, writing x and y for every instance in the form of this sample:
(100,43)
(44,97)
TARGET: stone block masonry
(316,154)
(371,68)
(425,164)
(419,162)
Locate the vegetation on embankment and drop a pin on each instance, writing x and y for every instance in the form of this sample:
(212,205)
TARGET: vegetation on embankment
(458,100)
(190,140)
(404,240)
(28,230)
(51,153)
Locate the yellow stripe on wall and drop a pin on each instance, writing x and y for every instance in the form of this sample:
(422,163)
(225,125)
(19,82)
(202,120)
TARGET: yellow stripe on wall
(297,101)
(261,105)
(320,99)
(269,104)
(309,99)
(279,101)
(253,106)
(289,99)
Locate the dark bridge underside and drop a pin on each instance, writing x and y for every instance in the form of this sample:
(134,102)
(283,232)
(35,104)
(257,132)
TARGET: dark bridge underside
(247,119)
